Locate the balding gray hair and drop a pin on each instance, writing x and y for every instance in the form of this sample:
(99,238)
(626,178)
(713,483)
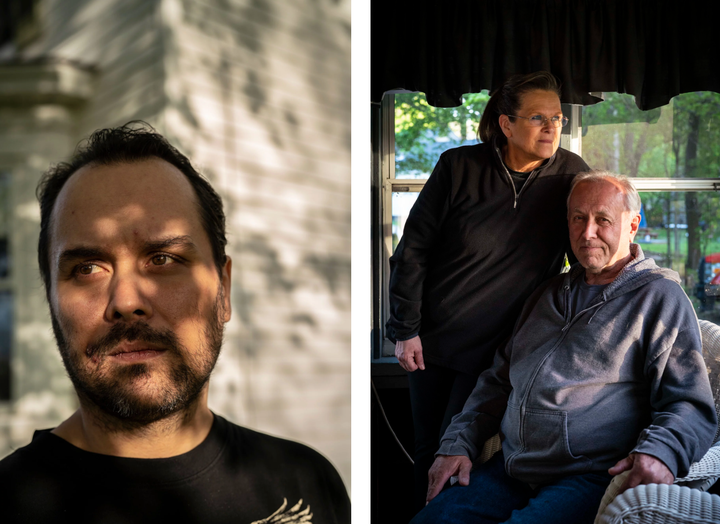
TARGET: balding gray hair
(632,198)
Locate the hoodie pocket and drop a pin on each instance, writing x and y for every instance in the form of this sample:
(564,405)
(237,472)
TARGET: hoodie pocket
(543,446)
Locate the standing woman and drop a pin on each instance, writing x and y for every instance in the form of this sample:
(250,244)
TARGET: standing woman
(488,227)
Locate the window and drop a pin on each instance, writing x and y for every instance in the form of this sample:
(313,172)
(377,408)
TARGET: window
(6,299)
(673,154)
(422,133)
(16,20)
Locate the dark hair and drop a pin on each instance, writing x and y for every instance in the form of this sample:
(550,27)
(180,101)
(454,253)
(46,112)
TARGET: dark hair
(132,142)
(507,99)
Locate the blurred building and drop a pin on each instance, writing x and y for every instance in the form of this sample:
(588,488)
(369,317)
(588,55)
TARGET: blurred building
(257,94)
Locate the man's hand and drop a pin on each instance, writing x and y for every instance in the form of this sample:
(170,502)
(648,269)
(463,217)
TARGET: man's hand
(644,469)
(409,354)
(444,467)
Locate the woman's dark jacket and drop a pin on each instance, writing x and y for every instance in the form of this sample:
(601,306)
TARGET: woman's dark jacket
(472,251)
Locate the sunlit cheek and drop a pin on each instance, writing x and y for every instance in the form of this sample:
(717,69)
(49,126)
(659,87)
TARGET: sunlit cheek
(192,328)
(191,335)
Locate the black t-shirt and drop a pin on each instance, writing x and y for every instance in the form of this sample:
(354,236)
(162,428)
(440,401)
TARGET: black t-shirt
(235,475)
(519,179)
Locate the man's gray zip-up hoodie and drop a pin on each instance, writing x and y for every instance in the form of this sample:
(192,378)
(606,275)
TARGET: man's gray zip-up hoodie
(575,394)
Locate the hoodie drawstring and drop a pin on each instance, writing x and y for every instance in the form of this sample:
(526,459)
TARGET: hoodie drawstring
(596,311)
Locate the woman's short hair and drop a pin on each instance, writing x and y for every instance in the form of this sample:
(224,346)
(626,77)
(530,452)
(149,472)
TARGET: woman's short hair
(632,198)
(507,99)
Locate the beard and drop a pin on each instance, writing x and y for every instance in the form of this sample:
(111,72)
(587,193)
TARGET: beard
(132,396)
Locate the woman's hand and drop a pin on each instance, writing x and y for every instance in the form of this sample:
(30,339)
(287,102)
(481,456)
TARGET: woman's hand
(409,354)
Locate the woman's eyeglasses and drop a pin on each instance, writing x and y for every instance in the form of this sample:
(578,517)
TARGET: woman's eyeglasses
(540,121)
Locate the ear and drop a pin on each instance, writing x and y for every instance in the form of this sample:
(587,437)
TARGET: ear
(226,281)
(634,224)
(505,126)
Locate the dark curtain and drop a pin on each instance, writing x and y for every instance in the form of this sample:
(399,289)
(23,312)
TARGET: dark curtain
(653,49)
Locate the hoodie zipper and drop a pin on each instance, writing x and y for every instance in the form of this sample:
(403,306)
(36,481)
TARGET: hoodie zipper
(569,321)
(523,402)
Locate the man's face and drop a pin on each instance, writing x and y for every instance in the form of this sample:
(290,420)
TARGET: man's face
(600,228)
(138,306)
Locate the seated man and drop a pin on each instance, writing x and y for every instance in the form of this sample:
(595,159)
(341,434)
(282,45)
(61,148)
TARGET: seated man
(132,255)
(604,370)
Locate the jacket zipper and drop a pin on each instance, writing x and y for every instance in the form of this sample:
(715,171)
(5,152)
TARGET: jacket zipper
(516,195)
(523,402)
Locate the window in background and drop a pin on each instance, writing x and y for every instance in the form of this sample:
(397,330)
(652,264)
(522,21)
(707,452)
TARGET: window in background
(679,142)
(422,133)
(6,302)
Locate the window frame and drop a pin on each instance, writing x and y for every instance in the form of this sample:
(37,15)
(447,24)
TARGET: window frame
(7,281)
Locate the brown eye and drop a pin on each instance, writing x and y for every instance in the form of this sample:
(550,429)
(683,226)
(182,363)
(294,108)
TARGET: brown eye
(86,270)
(160,260)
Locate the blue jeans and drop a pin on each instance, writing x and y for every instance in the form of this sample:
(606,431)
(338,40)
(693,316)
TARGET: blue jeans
(494,497)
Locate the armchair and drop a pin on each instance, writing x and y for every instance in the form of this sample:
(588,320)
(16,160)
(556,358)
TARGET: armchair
(685,501)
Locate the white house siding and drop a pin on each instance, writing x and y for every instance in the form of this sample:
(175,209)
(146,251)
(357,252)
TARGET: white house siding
(257,94)
(122,40)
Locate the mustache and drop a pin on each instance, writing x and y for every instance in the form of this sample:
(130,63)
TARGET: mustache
(140,330)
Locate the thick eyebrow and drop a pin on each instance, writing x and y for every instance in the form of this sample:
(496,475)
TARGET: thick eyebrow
(76,253)
(85,252)
(185,242)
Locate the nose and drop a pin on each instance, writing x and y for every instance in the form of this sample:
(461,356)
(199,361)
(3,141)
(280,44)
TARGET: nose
(549,126)
(129,298)
(590,230)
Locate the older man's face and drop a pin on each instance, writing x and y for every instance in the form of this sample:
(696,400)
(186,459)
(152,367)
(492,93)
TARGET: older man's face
(600,228)
(138,306)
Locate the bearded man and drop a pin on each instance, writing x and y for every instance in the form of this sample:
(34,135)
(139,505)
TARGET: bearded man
(132,255)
